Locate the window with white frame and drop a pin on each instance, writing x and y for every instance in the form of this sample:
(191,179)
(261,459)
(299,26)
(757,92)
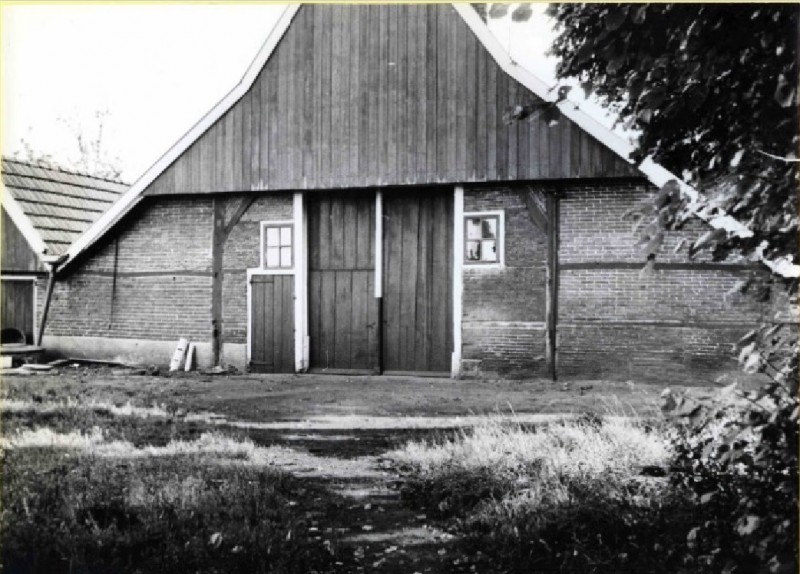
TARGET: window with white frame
(277,245)
(483,238)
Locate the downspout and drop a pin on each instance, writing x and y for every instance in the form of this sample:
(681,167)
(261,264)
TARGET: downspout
(53,262)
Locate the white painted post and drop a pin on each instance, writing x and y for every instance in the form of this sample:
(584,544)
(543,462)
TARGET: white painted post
(378,244)
(458,279)
(300,285)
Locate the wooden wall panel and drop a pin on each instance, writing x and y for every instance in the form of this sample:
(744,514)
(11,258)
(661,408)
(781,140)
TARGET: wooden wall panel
(374,95)
(15,253)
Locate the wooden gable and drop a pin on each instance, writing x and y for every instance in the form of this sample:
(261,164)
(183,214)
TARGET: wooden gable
(16,256)
(375,95)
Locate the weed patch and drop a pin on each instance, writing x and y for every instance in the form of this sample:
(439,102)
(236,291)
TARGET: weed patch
(562,497)
(66,512)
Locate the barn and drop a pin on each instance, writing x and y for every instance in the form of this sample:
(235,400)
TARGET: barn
(358,203)
(44,209)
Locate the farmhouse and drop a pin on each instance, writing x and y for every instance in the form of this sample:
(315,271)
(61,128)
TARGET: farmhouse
(44,209)
(359,204)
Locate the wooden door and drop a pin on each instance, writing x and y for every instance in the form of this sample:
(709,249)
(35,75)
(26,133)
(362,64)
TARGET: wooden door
(418,282)
(16,307)
(272,323)
(342,308)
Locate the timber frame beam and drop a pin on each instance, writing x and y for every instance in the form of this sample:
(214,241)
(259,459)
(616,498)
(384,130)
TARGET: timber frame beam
(221,230)
(551,298)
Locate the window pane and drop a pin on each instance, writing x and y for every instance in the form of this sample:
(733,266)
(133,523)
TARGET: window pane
(273,236)
(474,228)
(489,228)
(489,250)
(273,257)
(286,256)
(473,250)
(286,236)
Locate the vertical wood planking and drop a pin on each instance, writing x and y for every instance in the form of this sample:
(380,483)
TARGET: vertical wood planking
(276,343)
(451,87)
(417,330)
(421,92)
(342,306)
(423,337)
(467,91)
(390,159)
(363,95)
(401,75)
(354,91)
(309,102)
(491,119)
(431,85)
(272,323)
(480,114)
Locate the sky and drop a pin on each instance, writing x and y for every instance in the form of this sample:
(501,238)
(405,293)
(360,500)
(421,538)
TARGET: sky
(150,71)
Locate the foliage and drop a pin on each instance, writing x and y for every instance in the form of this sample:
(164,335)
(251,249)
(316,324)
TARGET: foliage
(711,91)
(75,513)
(737,454)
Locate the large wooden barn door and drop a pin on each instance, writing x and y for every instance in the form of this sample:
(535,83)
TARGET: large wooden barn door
(343,310)
(16,308)
(418,282)
(272,328)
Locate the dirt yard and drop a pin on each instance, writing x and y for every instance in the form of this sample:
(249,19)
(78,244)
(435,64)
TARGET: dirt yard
(329,432)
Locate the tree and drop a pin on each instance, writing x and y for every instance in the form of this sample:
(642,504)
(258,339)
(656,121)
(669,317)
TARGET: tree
(711,89)
(90,153)
(712,92)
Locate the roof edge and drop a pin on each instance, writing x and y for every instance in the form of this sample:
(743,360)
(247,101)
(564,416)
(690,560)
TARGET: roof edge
(133,196)
(40,164)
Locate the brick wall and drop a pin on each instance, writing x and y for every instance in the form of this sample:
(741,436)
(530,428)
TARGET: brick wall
(503,309)
(163,278)
(677,323)
(614,321)
(162,289)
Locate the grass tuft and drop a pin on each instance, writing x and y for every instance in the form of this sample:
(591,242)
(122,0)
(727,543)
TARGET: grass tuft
(566,496)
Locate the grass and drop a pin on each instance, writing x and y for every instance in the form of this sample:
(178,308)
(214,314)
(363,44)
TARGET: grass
(565,496)
(93,486)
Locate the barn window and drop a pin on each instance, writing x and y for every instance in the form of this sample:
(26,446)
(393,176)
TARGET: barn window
(483,238)
(277,249)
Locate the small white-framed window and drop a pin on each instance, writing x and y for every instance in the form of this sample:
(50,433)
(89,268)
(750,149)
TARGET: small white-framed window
(483,238)
(277,245)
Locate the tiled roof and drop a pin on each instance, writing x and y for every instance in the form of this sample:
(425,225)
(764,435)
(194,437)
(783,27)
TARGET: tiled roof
(60,204)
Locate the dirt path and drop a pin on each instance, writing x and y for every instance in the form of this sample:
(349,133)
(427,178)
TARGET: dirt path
(364,511)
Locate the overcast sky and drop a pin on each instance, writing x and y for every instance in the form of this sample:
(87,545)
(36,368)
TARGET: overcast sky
(156,69)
